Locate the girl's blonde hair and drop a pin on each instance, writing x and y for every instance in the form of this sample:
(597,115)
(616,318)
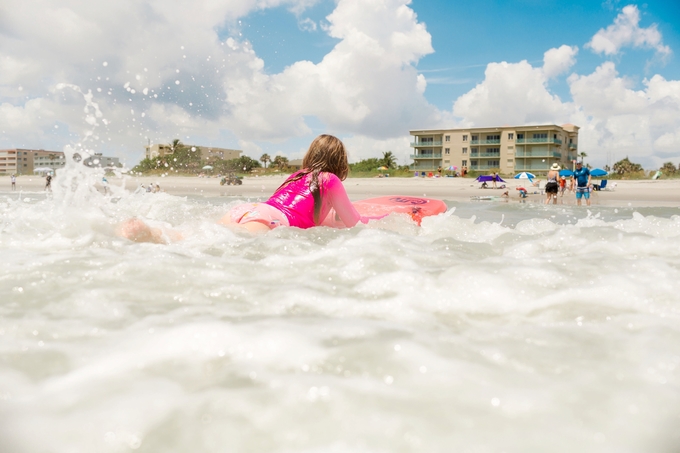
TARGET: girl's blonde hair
(325,154)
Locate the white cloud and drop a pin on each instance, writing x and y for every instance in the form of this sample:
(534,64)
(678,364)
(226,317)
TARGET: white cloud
(307,24)
(641,124)
(131,53)
(615,118)
(626,31)
(559,60)
(511,93)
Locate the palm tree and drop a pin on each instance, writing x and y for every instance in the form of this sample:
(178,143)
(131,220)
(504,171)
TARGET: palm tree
(668,168)
(176,144)
(389,160)
(264,159)
(583,156)
(280,161)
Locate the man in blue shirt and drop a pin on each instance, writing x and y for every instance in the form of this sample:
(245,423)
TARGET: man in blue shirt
(582,178)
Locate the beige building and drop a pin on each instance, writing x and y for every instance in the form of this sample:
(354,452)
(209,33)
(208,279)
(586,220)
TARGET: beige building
(26,161)
(207,152)
(99,160)
(507,149)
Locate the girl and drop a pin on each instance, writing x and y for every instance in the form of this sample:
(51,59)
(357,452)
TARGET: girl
(303,200)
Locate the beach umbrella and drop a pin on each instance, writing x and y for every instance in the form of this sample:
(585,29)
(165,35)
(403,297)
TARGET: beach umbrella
(43,170)
(452,168)
(598,172)
(382,168)
(525,175)
(208,167)
(566,172)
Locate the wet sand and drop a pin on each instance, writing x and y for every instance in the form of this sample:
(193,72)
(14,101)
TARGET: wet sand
(624,193)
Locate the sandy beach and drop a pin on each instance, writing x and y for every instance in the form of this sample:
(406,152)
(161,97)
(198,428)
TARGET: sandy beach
(622,193)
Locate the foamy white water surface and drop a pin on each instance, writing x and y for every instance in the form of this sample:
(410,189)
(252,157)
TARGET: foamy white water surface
(494,327)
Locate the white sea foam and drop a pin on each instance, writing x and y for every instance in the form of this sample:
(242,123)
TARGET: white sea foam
(498,327)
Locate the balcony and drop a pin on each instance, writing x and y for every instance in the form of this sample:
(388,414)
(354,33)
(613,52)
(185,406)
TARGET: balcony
(488,155)
(572,146)
(425,144)
(534,153)
(539,140)
(532,166)
(484,167)
(426,156)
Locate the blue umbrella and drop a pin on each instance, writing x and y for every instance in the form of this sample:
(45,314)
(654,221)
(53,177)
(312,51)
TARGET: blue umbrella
(566,172)
(597,172)
(525,175)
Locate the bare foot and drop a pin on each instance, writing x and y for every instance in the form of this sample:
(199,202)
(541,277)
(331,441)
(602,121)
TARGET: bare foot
(138,231)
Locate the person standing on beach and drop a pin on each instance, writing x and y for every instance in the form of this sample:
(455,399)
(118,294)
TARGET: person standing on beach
(495,178)
(582,179)
(551,186)
(14,182)
(48,183)
(563,185)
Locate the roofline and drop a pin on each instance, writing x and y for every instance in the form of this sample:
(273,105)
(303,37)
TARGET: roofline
(530,126)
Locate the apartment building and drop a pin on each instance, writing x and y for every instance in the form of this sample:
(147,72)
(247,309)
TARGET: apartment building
(99,160)
(25,161)
(507,149)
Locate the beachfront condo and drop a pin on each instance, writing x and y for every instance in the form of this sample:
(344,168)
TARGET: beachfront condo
(506,149)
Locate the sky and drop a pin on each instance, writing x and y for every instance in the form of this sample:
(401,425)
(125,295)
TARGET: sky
(267,76)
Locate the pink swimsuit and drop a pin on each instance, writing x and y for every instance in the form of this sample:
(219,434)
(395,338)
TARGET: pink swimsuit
(293,205)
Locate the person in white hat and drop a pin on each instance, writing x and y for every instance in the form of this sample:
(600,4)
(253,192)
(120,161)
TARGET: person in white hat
(551,185)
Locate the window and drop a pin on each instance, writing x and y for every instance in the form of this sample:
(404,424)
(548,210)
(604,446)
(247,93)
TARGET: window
(493,150)
(520,136)
(555,136)
(475,137)
(511,136)
(541,135)
(448,138)
(511,161)
(511,147)
(464,163)
(447,150)
(464,150)
(571,141)
(464,138)
(494,163)
(493,137)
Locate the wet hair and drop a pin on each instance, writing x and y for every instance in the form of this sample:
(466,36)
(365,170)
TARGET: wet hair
(325,154)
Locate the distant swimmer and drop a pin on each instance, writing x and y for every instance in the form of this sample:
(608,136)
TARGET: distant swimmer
(14,182)
(303,200)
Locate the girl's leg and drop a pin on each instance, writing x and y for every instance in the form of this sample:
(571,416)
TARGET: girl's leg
(138,231)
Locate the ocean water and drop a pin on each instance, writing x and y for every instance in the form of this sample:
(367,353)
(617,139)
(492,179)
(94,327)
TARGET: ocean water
(496,327)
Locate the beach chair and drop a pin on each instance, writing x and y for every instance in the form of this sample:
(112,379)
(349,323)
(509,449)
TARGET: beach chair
(601,186)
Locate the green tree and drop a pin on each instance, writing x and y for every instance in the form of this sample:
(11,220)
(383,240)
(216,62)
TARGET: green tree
(669,169)
(583,156)
(366,164)
(388,160)
(281,162)
(264,159)
(625,166)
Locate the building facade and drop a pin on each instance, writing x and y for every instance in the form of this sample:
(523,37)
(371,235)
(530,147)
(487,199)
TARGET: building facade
(507,149)
(26,161)
(99,160)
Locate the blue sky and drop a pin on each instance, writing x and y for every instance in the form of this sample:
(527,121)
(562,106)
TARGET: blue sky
(268,76)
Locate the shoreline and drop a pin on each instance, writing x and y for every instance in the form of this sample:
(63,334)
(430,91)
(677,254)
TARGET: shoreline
(625,193)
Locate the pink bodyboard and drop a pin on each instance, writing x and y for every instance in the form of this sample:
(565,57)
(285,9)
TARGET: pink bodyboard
(415,207)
